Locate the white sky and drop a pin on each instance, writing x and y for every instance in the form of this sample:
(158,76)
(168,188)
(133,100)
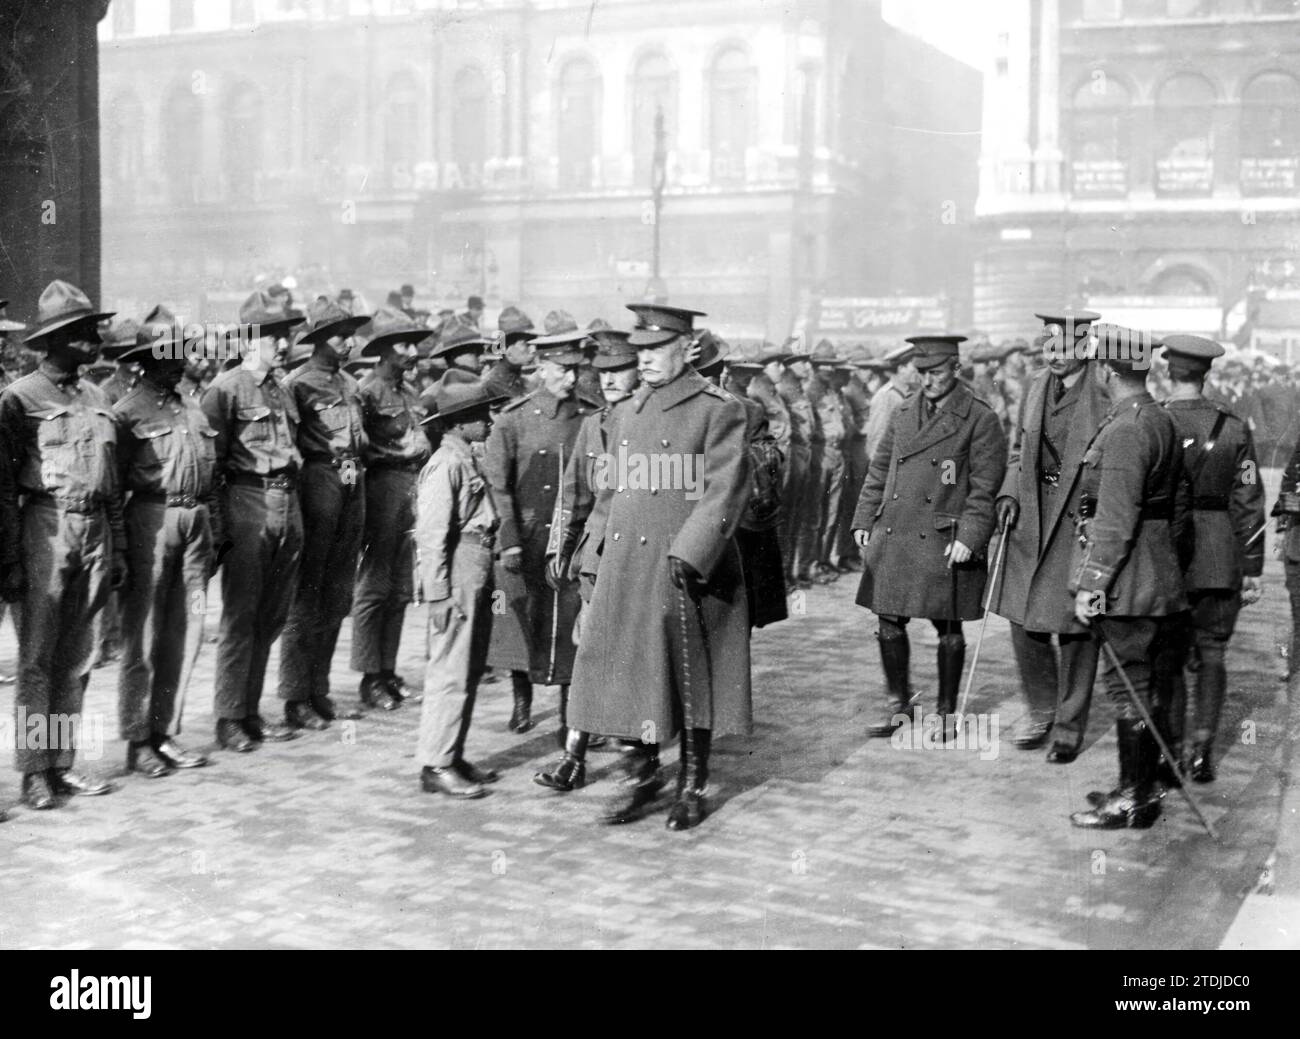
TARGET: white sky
(965,29)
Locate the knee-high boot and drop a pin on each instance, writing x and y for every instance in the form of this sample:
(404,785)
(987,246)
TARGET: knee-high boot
(692,777)
(896,661)
(952,655)
(521,717)
(571,772)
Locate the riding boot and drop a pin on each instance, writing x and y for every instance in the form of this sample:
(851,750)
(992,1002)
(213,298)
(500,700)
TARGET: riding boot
(571,772)
(1134,802)
(562,733)
(640,784)
(521,717)
(952,654)
(692,777)
(896,660)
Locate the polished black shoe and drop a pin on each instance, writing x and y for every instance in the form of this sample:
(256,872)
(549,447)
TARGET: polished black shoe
(374,692)
(36,792)
(1201,765)
(450,782)
(1120,810)
(639,787)
(261,731)
(66,783)
(569,774)
(400,691)
(175,755)
(324,706)
(1030,734)
(300,714)
(474,774)
(231,736)
(1061,755)
(689,809)
(142,758)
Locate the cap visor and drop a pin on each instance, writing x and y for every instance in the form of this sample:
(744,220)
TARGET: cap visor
(644,338)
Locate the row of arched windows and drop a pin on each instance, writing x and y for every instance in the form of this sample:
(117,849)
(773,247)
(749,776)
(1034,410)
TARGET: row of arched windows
(1183,137)
(335,136)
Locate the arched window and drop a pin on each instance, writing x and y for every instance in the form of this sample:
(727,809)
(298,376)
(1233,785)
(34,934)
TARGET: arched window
(1184,136)
(1270,135)
(1100,132)
(124,160)
(469,129)
(732,101)
(1182,281)
(578,123)
(241,141)
(401,116)
(182,136)
(654,89)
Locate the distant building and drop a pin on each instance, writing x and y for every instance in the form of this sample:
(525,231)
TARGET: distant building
(505,148)
(1143,157)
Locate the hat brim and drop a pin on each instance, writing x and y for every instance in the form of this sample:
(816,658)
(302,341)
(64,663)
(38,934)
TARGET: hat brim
(568,358)
(517,334)
(795,358)
(277,329)
(377,344)
(613,362)
(66,322)
(924,364)
(479,345)
(648,338)
(485,404)
(340,329)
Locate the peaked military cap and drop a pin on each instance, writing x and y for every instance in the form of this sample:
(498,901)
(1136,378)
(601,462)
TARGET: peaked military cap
(613,351)
(658,323)
(933,349)
(1190,355)
(562,347)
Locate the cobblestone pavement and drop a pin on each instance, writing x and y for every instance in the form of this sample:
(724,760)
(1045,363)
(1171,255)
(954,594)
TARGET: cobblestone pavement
(818,837)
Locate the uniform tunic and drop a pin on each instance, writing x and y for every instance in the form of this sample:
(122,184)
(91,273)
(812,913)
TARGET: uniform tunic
(649,654)
(167,452)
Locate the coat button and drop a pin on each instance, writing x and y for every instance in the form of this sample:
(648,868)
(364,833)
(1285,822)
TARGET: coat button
(546,486)
(616,535)
(625,443)
(889,530)
(654,490)
(643,539)
(664,442)
(934,461)
(928,499)
(620,490)
(922,535)
(895,497)
(541,450)
(537,411)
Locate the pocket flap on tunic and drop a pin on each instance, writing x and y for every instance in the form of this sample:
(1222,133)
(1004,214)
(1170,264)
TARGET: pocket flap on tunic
(253,414)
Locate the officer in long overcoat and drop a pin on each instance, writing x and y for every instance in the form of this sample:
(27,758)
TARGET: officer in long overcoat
(1037,504)
(660,547)
(530,443)
(924,520)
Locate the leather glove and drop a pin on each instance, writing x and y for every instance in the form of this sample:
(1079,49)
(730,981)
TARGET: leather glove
(441,612)
(684,576)
(1007,510)
(1252,590)
(556,572)
(513,560)
(13,582)
(861,537)
(119,575)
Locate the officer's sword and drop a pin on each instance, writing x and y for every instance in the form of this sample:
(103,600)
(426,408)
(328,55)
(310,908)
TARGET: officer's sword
(1151,725)
(988,608)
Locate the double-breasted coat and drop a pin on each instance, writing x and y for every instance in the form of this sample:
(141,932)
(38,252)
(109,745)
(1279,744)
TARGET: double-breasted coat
(650,656)
(930,483)
(1033,588)
(531,441)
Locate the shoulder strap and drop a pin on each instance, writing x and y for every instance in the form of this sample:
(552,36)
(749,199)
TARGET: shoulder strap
(1194,472)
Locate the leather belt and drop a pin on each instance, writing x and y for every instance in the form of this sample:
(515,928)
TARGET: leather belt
(281,482)
(336,461)
(402,467)
(179,501)
(1157,511)
(1210,502)
(66,503)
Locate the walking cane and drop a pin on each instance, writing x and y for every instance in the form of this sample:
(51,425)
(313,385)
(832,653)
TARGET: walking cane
(557,518)
(1150,724)
(1256,536)
(1004,533)
(688,732)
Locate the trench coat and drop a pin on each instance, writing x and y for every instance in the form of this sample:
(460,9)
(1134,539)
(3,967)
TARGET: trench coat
(930,483)
(523,462)
(650,655)
(1033,588)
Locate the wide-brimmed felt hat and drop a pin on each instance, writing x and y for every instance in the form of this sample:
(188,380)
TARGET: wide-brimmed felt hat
(456,393)
(118,337)
(328,320)
(389,327)
(63,305)
(712,353)
(460,338)
(558,321)
(824,355)
(266,317)
(513,323)
(5,324)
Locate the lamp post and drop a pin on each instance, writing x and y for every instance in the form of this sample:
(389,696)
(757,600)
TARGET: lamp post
(656,291)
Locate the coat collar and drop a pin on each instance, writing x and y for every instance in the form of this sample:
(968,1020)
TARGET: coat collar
(685,386)
(946,420)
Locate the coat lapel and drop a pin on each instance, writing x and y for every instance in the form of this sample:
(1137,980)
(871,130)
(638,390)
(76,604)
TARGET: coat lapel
(1089,411)
(943,423)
